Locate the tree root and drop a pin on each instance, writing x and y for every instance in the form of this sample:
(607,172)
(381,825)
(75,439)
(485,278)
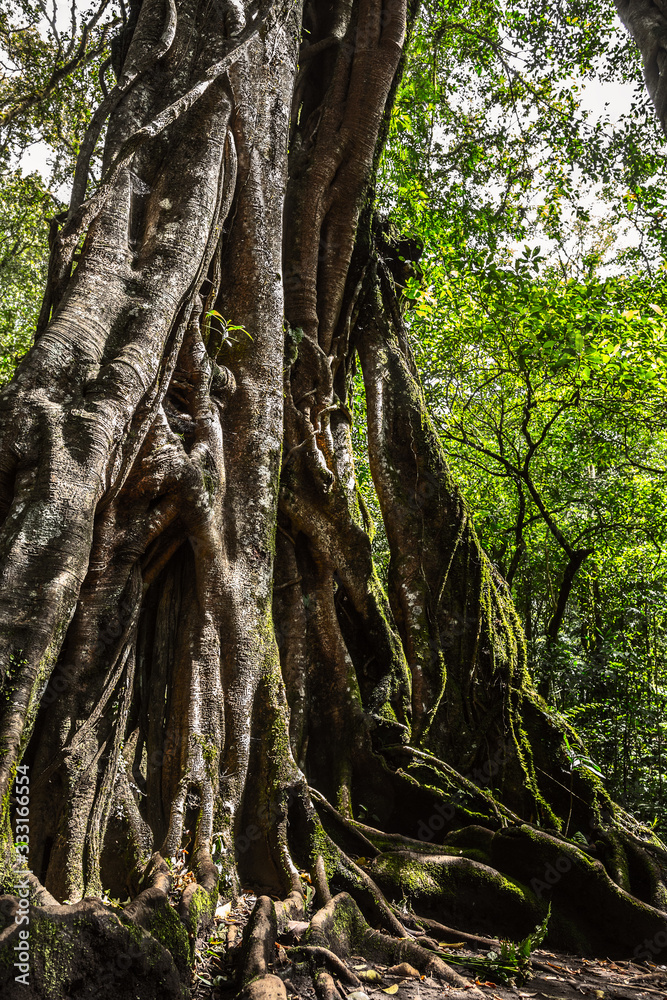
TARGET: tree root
(323,957)
(351,877)
(340,927)
(325,987)
(86,942)
(463,877)
(259,945)
(449,932)
(267,987)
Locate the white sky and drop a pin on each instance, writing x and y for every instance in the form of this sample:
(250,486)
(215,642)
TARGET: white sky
(606,99)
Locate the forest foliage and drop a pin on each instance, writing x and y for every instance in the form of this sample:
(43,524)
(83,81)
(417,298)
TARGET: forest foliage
(527,237)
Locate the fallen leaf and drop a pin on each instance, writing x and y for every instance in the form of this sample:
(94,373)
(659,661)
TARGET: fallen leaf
(404,970)
(391,989)
(370,976)
(297,928)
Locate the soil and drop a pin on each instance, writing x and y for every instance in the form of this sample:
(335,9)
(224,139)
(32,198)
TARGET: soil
(553,976)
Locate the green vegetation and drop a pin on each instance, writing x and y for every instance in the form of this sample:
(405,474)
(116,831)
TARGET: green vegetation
(511,962)
(527,239)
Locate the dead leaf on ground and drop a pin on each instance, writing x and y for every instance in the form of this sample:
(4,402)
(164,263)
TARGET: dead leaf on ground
(405,970)
(370,976)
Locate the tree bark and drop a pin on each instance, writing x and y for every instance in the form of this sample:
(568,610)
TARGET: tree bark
(646,20)
(195,645)
(574,563)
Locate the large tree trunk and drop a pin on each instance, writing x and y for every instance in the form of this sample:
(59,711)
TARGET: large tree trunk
(194,639)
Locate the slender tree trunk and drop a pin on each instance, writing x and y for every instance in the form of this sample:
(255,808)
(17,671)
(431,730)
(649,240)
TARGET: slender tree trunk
(574,563)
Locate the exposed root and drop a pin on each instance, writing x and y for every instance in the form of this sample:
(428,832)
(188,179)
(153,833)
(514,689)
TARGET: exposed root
(197,904)
(259,945)
(289,910)
(323,957)
(40,895)
(266,987)
(341,928)
(350,876)
(87,942)
(325,987)
(345,832)
(320,881)
(454,934)
(259,941)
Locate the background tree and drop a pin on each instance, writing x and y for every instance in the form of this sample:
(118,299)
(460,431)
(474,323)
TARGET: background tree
(556,432)
(499,336)
(53,69)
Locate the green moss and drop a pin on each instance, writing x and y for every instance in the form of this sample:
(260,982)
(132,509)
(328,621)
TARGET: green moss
(412,878)
(210,483)
(455,883)
(618,861)
(322,846)
(344,923)
(52,943)
(201,909)
(167,928)
(387,712)
(366,520)
(11,868)
(209,752)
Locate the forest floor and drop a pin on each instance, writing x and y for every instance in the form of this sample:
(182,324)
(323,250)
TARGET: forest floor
(553,976)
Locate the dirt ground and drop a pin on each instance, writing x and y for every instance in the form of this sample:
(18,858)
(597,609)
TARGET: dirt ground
(552,977)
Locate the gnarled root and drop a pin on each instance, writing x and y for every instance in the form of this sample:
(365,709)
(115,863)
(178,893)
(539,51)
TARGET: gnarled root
(86,942)
(340,927)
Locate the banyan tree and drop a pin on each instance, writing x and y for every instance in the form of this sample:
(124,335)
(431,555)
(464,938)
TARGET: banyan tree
(196,650)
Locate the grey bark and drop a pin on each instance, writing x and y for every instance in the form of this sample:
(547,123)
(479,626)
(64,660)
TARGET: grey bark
(646,20)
